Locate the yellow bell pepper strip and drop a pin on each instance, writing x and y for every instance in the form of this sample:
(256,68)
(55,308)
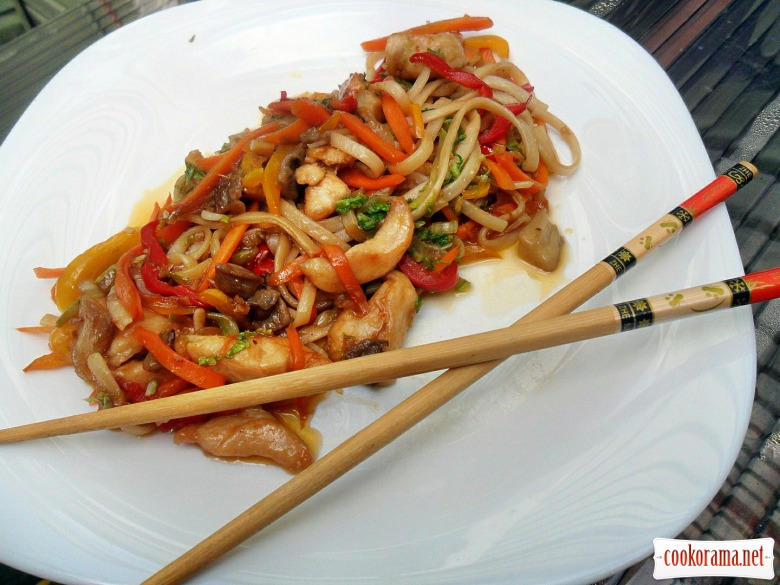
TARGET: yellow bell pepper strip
(495,43)
(340,263)
(458,24)
(205,186)
(92,263)
(271,188)
(200,376)
(464,78)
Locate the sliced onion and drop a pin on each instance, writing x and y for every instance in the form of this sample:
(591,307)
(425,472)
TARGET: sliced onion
(482,217)
(119,315)
(305,304)
(309,226)
(105,379)
(262,218)
(362,153)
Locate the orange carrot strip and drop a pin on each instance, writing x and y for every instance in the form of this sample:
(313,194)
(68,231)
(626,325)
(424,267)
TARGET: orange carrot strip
(288,272)
(171,386)
(310,111)
(449,213)
(457,24)
(49,361)
(225,251)
(354,178)
(502,178)
(297,358)
(371,139)
(200,376)
(397,121)
(41,272)
(339,261)
(204,187)
(124,286)
(447,259)
(287,135)
(35,329)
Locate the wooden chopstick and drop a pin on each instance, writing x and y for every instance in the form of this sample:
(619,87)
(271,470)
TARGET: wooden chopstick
(445,387)
(404,362)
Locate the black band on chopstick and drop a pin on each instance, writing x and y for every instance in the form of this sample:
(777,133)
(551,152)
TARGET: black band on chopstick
(740,174)
(620,260)
(740,291)
(682,214)
(635,314)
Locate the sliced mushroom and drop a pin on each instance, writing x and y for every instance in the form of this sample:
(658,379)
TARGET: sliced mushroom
(539,242)
(235,280)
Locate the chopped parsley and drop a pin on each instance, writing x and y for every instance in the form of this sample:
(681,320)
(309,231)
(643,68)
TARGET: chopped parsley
(441,240)
(372,214)
(102,399)
(242,342)
(352,202)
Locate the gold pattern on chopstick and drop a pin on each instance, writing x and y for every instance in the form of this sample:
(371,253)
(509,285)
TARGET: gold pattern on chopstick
(635,314)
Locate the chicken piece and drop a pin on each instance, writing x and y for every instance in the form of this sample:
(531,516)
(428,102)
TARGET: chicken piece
(251,433)
(262,356)
(324,190)
(133,371)
(401,46)
(125,345)
(330,156)
(540,242)
(390,315)
(373,258)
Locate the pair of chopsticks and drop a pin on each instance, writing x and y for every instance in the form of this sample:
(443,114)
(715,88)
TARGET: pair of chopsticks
(469,358)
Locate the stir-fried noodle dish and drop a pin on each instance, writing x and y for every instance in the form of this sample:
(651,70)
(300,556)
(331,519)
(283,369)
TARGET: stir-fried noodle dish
(314,237)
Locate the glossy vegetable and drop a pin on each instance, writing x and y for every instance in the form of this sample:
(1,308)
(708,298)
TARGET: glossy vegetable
(92,263)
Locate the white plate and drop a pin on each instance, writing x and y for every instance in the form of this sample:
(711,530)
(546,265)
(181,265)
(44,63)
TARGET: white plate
(559,467)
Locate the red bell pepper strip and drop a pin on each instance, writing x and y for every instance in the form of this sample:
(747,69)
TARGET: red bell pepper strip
(152,244)
(200,376)
(460,77)
(500,125)
(426,279)
(263,262)
(151,277)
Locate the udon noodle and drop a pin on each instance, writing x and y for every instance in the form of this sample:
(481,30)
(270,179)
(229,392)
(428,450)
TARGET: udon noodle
(313,237)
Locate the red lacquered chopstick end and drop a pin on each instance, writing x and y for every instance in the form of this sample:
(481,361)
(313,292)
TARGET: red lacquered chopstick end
(764,286)
(721,188)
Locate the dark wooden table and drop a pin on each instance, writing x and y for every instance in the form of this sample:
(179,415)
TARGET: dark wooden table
(724,58)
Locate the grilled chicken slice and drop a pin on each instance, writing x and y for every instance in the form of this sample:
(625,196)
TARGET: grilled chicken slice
(262,356)
(390,314)
(251,433)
